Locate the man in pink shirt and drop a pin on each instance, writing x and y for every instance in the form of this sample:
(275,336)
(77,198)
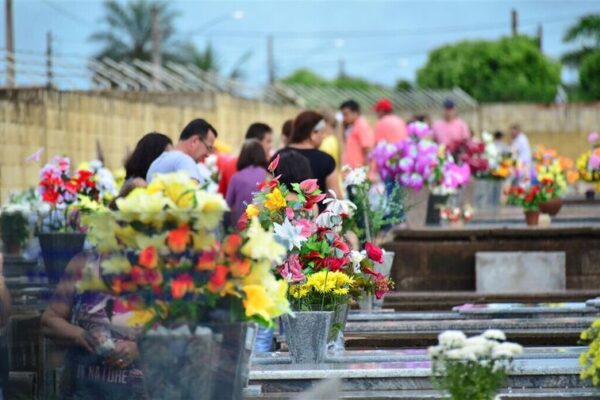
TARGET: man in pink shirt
(359,136)
(389,127)
(451,130)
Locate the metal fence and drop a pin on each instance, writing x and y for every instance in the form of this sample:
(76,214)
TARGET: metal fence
(65,72)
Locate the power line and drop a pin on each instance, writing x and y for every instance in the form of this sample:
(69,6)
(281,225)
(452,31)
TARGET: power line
(66,13)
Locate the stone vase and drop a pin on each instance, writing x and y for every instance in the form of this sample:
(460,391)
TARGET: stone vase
(58,248)
(306,334)
(365,301)
(213,363)
(434,204)
(487,194)
(385,268)
(335,340)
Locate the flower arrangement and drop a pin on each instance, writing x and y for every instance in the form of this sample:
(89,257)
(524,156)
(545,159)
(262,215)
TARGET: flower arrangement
(550,165)
(59,190)
(528,198)
(103,178)
(590,358)
(417,162)
(314,243)
(472,368)
(14,225)
(373,214)
(456,214)
(588,163)
(161,256)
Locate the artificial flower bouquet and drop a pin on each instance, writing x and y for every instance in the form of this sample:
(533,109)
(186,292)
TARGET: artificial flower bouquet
(588,163)
(104,179)
(60,190)
(526,197)
(160,255)
(472,368)
(456,214)
(377,209)
(590,358)
(550,165)
(417,162)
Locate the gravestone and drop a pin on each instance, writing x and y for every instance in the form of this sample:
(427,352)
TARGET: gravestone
(519,272)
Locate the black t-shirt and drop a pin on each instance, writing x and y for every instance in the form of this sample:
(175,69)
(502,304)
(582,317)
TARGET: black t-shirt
(321,163)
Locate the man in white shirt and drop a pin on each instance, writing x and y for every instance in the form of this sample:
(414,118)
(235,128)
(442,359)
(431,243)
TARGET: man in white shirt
(521,151)
(196,142)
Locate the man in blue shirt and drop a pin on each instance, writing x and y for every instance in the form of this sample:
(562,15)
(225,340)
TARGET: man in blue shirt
(195,144)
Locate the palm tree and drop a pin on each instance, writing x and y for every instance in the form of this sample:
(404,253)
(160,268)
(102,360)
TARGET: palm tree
(586,32)
(128,31)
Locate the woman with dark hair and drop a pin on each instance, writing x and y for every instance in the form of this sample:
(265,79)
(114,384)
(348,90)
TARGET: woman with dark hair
(148,149)
(252,169)
(286,132)
(308,132)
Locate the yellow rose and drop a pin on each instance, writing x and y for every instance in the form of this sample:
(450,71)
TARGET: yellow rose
(252,211)
(275,200)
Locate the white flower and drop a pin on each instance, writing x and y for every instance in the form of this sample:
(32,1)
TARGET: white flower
(16,209)
(452,339)
(95,165)
(339,206)
(289,235)
(354,177)
(44,209)
(506,350)
(487,137)
(356,257)
(494,334)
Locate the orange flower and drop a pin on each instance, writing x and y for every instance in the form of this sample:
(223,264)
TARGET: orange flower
(232,243)
(120,285)
(218,278)
(207,261)
(181,285)
(177,239)
(240,268)
(148,257)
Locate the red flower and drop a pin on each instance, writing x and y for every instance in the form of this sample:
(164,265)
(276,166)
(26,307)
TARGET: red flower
(311,201)
(207,261)
(153,277)
(309,186)
(148,257)
(374,253)
(232,243)
(242,222)
(240,268)
(50,196)
(181,285)
(137,275)
(218,278)
(178,239)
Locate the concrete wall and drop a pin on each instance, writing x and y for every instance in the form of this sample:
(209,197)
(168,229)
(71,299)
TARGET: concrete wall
(69,123)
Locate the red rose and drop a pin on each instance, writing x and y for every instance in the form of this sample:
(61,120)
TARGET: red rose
(374,253)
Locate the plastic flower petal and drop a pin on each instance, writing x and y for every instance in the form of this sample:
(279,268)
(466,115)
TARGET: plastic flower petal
(289,235)
(261,244)
(275,200)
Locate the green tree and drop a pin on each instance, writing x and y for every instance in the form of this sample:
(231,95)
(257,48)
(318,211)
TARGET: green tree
(206,59)
(127,31)
(402,85)
(349,82)
(305,76)
(586,32)
(510,69)
(589,76)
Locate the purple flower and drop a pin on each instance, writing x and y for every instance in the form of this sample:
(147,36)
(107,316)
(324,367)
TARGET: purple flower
(594,162)
(593,137)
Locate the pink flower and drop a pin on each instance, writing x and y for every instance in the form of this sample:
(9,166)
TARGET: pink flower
(593,137)
(308,228)
(291,270)
(289,213)
(309,186)
(374,252)
(274,164)
(594,162)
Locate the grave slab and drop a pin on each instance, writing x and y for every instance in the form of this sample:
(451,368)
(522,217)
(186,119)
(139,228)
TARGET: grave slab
(526,310)
(516,272)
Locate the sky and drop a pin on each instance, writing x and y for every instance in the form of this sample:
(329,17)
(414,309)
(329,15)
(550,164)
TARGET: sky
(382,41)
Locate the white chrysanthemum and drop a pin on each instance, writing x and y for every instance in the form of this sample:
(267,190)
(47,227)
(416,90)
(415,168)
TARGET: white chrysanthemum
(494,334)
(355,177)
(452,339)
(507,350)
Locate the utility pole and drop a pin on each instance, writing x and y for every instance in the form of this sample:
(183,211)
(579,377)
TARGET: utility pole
(514,22)
(10,45)
(270,60)
(540,36)
(49,74)
(156,55)
(342,68)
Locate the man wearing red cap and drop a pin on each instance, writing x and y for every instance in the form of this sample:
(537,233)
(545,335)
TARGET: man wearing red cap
(389,127)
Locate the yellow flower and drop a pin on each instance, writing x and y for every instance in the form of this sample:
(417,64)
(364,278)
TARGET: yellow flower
(142,206)
(177,186)
(257,302)
(145,240)
(116,264)
(211,206)
(140,318)
(203,240)
(101,231)
(261,244)
(275,200)
(252,211)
